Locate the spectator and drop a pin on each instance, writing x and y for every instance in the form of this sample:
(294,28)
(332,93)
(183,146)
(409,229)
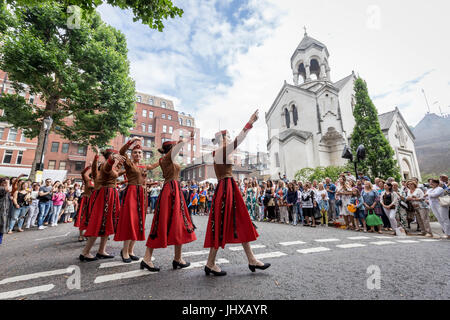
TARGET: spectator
(440,212)
(389,200)
(58,199)
(21,202)
(331,189)
(70,208)
(292,203)
(324,208)
(269,201)
(344,191)
(370,198)
(4,206)
(416,196)
(34,207)
(358,201)
(308,203)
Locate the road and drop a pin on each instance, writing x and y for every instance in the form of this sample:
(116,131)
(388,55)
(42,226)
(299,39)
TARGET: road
(307,263)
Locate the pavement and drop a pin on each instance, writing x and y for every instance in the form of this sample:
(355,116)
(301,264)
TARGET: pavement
(307,263)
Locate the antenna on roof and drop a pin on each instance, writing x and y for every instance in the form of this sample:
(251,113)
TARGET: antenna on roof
(305,31)
(426,100)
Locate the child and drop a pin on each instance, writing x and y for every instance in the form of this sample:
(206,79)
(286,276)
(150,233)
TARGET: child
(284,214)
(323,207)
(260,201)
(202,201)
(70,208)
(373,220)
(194,202)
(358,201)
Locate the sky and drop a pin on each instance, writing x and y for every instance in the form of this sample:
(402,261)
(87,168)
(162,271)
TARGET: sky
(223,59)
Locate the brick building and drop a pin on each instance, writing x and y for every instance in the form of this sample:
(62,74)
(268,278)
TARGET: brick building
(156,121)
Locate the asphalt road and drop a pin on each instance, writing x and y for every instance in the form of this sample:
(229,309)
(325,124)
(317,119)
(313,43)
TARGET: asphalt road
(318,263)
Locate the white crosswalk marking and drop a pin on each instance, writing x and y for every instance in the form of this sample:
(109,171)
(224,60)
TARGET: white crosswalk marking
(383,237)
(428,240)
(327,240)
(195,253)
(358,238)
(313,250)
(291,243)
(240,248)
(380,243)
(36,275)
(200,264)
(122,275)
(270,255)
(407,241)
(350,245)
(26,291)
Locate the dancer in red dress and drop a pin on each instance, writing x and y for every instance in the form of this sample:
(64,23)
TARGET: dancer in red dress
(229,220)
(84,203)
(131,225)
(104,206)
(171,224)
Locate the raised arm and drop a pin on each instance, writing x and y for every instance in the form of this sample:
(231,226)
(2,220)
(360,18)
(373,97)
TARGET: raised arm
(177,148)
(85,175)
(126,146)
(242,135)
(152,166)
(94,171)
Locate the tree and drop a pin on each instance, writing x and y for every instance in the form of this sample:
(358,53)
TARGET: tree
(379,160)
(81,75)
(319,173)
(155,174)
(150,12)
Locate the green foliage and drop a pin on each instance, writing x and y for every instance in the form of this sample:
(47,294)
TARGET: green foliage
(320,173)
(379,160)
(82,75)
(155,174)
(150,12)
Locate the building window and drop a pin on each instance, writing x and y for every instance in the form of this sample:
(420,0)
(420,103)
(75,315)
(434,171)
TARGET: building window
(163,104)
(169,116)
(188,159)
(2,129)
(82,150)
(12,135)
(194,147)
(62,165)
(148,155)
(138,98)
(163,116)
(199,172)
(188,123)
(295,114)
(181,121)
(79,166)
(189,147)
(144,112)
(7,156)
(150,128)
(150,114)
(31,101)
(164,140)
(149,143)
(65,148)
(287,118)
(164,128)
(51,165)
(150,101)
(170,129)
(19,157)
(143,127)
(55,146)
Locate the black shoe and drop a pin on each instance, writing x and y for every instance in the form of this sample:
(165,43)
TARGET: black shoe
(176,264)
(218,274)
(83,258)
(146,266)
(134,258)
(264,267)
(127,260)
(102,256)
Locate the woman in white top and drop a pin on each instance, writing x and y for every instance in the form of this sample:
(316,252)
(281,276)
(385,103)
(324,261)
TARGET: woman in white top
(416,196)
(34,207)
(345,193)
(321,190)
(389,200)
(440,212)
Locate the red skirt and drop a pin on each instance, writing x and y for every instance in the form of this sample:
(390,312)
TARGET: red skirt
(229,220)
(104,207)
(131,225)
(82,212)
(171,224)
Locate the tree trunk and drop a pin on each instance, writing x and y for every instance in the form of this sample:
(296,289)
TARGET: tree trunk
(38,153)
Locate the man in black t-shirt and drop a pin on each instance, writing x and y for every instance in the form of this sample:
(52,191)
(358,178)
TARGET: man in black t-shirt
(45,202)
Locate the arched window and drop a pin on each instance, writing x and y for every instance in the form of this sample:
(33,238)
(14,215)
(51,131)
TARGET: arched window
(287,118)
(294,114)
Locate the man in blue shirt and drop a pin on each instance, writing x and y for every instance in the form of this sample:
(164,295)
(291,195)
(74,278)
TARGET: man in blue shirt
(331,189)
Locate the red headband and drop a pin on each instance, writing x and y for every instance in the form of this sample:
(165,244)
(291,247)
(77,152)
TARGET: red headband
(169,143)
(137,147)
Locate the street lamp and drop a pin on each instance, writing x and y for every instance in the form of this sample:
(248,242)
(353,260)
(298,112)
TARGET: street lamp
(360,155)
(47,126)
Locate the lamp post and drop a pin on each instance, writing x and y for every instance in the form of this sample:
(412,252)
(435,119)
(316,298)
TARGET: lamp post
(360,155)
(47,126)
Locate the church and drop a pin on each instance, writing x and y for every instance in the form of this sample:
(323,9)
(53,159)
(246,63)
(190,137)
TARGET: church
(311,121)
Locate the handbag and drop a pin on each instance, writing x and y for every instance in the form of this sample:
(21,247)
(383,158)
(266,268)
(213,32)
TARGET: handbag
(339,203)
(317,214)
(444,201)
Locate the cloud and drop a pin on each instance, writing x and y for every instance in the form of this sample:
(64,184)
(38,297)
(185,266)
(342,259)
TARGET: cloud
(223,59)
